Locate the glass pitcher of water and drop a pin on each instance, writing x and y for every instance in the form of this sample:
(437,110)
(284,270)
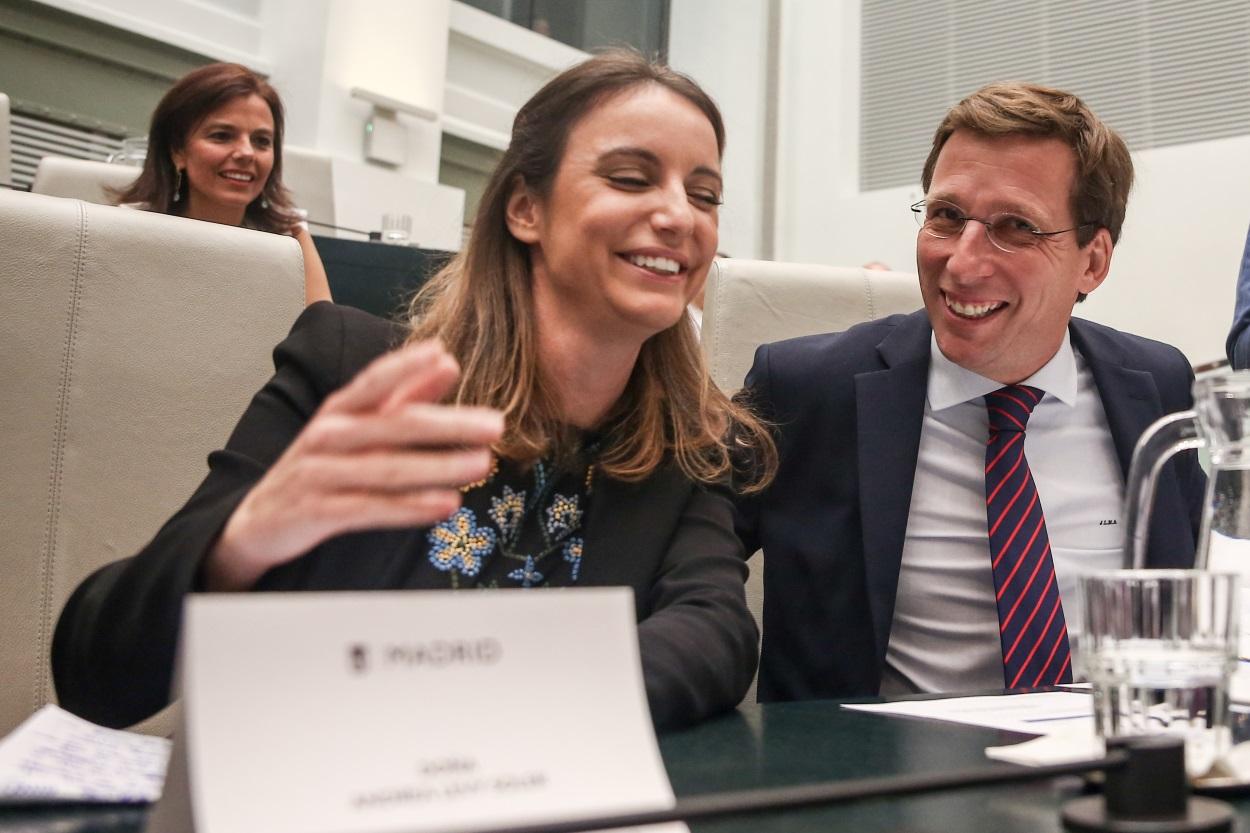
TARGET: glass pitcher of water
(1160,646)
(1220,423)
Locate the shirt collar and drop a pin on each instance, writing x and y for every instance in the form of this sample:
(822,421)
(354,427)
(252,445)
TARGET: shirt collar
(950,384)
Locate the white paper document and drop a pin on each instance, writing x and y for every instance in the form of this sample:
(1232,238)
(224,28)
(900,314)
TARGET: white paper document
(412,711)
(1036,713)
(55,756)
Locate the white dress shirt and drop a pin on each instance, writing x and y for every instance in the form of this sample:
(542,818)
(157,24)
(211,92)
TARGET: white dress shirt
(944,636)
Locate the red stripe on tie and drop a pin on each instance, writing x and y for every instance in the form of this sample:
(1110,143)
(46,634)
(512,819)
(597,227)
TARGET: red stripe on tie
(1023,405)
(1037,566)
(1006,448)
(1024,591)
(1019,459)
(1036,644)
(1009,416)
(1027,391)
(1025,627)
(1063,670)
(1059,640)
(1023,517)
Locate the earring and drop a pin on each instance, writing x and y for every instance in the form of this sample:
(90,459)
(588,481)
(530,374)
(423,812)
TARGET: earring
(177,184)
(264,202)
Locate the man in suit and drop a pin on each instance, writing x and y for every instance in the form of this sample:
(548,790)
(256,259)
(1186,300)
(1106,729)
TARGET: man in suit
(945,476)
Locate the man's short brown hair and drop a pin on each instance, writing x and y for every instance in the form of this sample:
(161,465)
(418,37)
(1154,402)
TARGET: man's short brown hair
(1104,169)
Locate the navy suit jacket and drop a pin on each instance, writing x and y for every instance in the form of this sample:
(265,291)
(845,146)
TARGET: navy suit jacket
(847,409)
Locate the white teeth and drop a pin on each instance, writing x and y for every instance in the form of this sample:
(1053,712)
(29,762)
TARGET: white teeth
(239,177)
(658,264)
(973,310)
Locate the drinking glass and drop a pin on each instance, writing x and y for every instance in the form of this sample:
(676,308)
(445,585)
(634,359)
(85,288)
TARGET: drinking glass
(134,151)
(396,229)
(1159,648)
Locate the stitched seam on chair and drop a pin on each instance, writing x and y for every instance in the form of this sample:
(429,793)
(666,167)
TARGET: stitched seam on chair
(720,293)
(47,557)
(868,297)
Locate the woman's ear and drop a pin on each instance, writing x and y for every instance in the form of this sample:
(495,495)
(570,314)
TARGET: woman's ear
(179,158)
(524,213)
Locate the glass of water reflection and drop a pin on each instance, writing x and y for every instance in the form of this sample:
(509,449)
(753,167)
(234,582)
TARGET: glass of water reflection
(396,229)
(1159,648)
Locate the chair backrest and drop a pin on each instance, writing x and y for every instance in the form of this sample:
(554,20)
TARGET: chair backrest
(754,302)
(6,153)
(81,179)
(310,178)
(132,343)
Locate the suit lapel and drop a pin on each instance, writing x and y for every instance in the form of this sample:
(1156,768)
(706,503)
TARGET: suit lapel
(1129,397)
(889,407)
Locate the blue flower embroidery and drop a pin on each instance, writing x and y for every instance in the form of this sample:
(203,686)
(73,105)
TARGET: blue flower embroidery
(508,511)
(459,544)
(527,575)
(563,515)
(573,550)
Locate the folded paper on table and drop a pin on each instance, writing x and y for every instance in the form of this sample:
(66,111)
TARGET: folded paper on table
(1035,713)
(55,756)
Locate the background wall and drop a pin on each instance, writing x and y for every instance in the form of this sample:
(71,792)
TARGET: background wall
(786,74)
(1173,274)
(723,44)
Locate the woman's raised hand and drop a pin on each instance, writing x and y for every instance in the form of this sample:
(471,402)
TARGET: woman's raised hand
(380,452)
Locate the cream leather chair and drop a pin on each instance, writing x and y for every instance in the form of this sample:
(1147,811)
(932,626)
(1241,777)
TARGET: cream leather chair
(6,154)
(754,302)
(81,179)
(132,343)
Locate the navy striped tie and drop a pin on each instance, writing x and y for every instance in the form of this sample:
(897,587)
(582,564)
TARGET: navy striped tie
(1030,613)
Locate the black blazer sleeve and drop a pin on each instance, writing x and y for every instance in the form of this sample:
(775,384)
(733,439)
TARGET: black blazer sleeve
(113,650)
(699,644)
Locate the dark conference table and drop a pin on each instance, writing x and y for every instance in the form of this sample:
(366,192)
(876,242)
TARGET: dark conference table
(376,277)
(785,744)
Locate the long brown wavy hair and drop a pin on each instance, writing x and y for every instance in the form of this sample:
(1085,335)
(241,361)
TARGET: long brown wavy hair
(481,306)
(189,101)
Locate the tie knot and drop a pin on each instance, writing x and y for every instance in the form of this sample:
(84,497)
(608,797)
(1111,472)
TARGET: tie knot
(1009,408)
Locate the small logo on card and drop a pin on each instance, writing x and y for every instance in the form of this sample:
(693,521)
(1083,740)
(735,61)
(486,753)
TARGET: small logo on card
(1108,522)
(358,658)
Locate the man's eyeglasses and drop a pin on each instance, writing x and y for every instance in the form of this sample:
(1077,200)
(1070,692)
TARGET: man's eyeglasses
(1008,232)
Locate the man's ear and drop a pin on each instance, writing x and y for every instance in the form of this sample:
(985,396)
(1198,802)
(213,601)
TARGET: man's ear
(1097,262)
(523,213)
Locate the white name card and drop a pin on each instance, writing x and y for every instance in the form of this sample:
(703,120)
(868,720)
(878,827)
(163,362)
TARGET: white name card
(413,711)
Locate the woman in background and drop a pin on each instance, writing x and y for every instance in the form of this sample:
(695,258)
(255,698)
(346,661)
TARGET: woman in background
(215,154)
(585,444)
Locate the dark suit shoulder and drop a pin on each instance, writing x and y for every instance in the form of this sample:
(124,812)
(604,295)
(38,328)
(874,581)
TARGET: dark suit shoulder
(1169,366)
(332,343)
(1135,350)
(794,364)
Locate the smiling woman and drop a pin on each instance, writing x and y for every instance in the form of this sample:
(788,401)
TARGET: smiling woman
(215,154)
(547,422)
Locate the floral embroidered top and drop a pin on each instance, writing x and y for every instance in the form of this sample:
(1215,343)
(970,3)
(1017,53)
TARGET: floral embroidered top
(520,527)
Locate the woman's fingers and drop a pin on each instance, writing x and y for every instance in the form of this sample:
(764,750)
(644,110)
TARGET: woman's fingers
(413,425)
(391,471)
(264,533)
(361,511)
(430,386)
(425,368)
(380,453)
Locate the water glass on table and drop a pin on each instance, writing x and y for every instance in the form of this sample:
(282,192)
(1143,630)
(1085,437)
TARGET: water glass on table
(1159,648)
(396,229)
